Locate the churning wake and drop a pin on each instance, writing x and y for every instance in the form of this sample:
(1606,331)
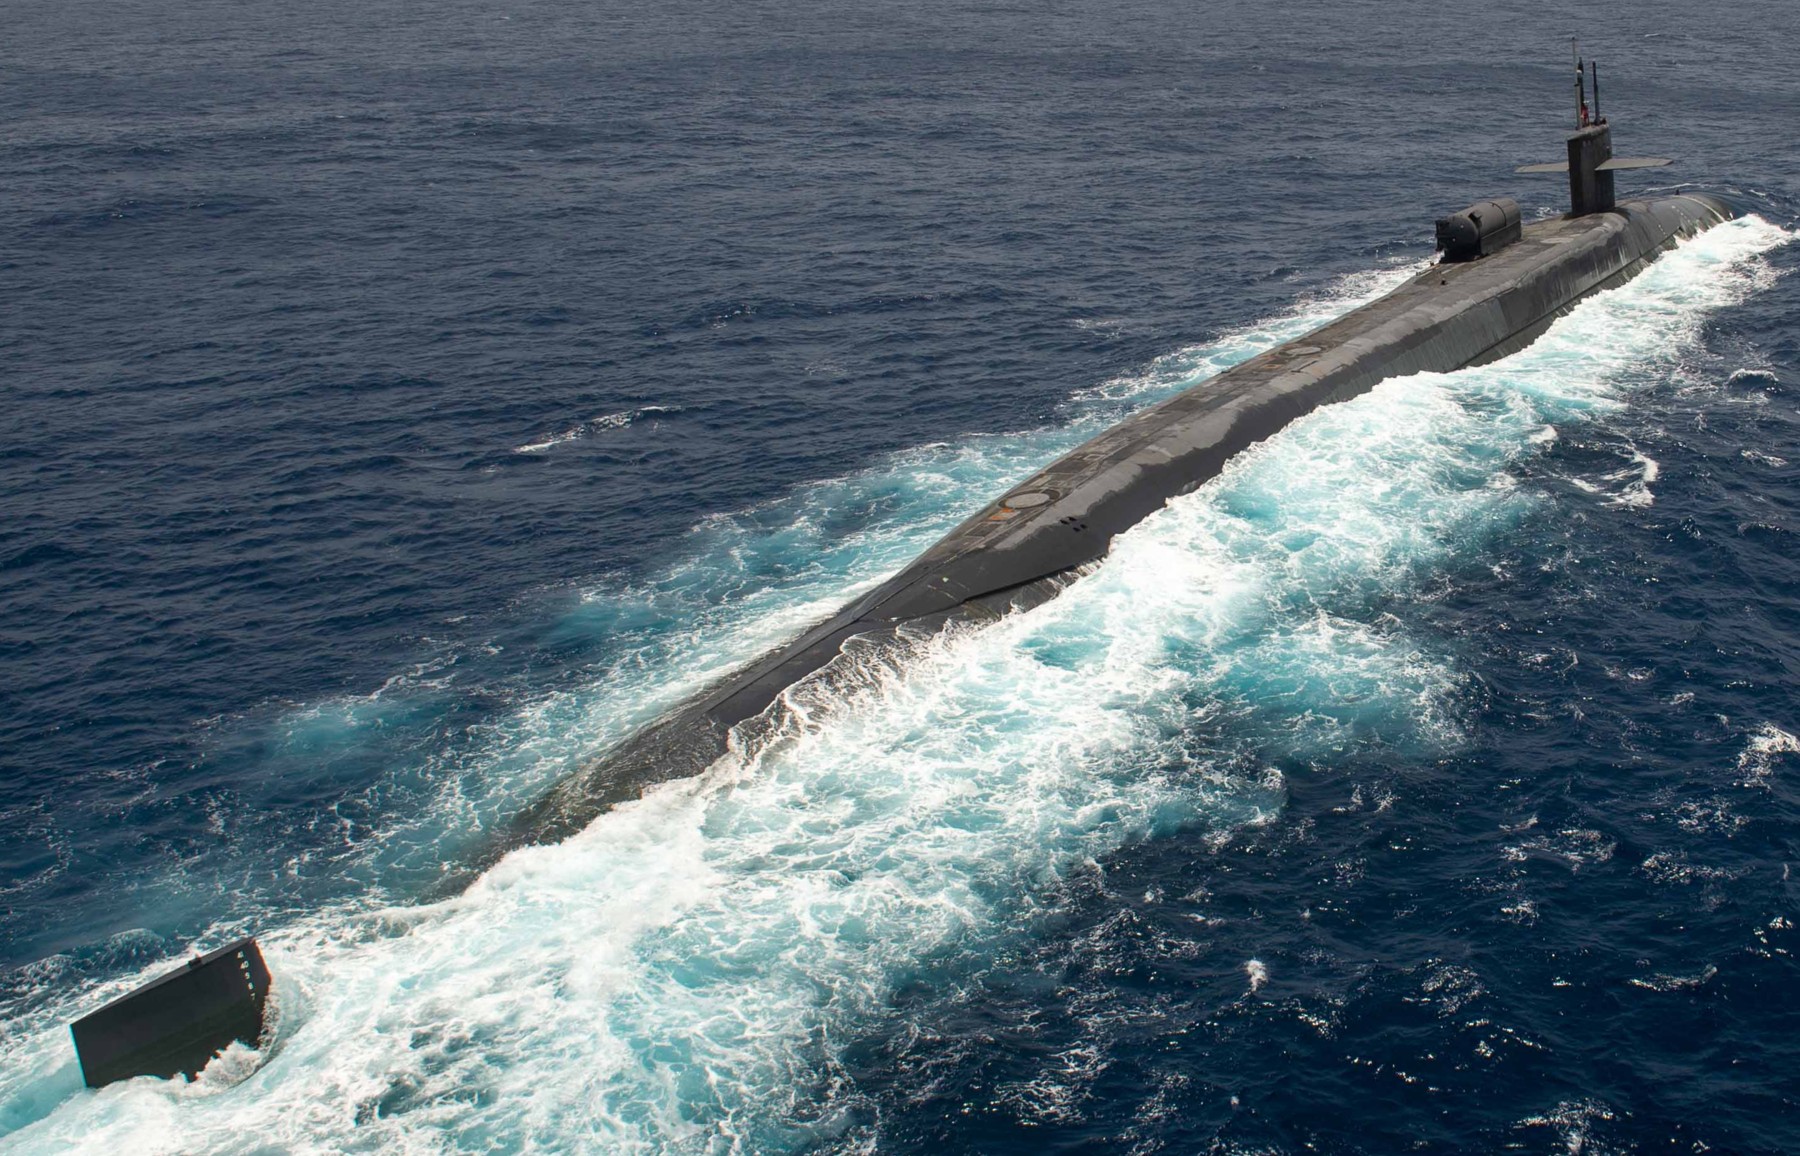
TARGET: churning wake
(688,973)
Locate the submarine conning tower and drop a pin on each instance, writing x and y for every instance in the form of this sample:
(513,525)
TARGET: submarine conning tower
(1590,146)
(1590,186)
(1590,162)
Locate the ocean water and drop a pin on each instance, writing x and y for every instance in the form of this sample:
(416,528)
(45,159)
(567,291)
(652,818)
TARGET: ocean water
(404,405)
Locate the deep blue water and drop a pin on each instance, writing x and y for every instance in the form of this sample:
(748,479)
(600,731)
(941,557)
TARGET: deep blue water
(404,404)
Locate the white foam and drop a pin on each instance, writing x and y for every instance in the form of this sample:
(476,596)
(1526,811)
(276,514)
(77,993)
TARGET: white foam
(1760,756)
(687,973)
(1258,974)
(594,425)
(1627,488)
(1573,1121)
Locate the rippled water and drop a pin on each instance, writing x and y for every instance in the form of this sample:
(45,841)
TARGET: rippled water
(409,407)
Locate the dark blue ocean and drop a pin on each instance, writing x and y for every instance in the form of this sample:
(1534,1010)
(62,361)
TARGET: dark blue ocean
(403,402)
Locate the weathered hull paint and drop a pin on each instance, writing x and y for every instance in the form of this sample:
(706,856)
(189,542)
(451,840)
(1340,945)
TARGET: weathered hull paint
(1021,550)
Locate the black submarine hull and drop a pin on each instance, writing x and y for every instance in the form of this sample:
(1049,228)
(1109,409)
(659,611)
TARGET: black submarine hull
(1023,549)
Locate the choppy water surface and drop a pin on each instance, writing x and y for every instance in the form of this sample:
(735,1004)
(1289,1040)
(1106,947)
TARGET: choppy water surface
(407,407)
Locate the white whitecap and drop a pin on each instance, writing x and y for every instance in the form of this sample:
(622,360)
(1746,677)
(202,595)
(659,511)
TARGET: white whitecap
(592,426)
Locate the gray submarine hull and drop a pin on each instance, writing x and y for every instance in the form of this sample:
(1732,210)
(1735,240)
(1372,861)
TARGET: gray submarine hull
(1022,549)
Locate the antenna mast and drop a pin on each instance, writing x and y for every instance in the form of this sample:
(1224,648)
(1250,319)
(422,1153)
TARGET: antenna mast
(1591,163)
(1581,105)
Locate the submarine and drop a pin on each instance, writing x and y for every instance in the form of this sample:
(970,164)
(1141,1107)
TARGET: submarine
(1499,284)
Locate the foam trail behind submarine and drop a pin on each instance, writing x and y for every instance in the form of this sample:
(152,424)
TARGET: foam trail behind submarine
(1499,287)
